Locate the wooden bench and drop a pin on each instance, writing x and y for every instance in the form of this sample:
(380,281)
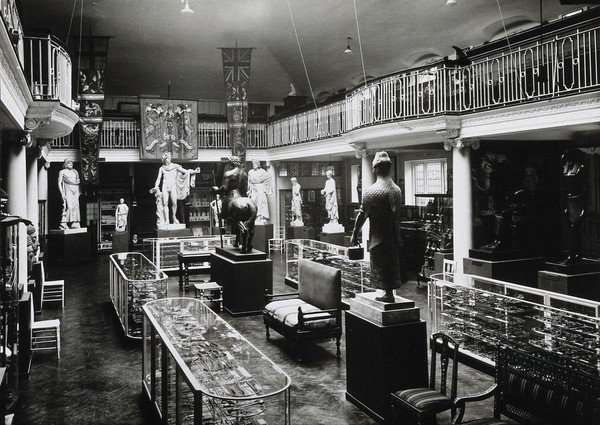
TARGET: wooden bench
(534,390)
(312,313)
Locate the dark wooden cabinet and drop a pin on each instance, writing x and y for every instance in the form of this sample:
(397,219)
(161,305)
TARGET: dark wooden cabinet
(381,360)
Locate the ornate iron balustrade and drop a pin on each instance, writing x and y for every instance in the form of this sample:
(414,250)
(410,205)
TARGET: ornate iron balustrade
(564,65)
(48,69)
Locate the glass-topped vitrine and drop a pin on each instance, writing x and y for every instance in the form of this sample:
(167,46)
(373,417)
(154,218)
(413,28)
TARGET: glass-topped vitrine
(480,313)
(134,280)
(197,369)
(164,251)
(355,273)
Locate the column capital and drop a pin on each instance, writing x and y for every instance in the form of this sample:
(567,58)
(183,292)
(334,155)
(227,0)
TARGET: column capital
(461,143)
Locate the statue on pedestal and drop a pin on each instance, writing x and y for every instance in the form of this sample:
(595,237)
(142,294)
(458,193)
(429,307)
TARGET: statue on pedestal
(68,184)
(296,203)
(175,186)
(381,205)
(121,214)
(259,186)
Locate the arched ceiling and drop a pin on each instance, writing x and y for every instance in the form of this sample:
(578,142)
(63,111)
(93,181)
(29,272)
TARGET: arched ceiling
(153,44)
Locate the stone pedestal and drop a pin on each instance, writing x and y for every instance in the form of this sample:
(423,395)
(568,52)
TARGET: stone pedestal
(244,277)
(173,231)
(402,310)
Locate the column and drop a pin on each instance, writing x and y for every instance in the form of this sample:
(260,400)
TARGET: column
(462,215)
(17,194)
(273,198)
(32,188)
(367,179)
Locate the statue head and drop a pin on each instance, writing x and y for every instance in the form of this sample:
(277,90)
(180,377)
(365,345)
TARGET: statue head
(235,161)
(166,157)
(329,174)
(294,180)
(68,163)
(255,163)
(382,162)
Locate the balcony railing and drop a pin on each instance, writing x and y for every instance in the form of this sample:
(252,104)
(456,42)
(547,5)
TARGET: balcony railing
(563,65)
(122,134)
(48,69)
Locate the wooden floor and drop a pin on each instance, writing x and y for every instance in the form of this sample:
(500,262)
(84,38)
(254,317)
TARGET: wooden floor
(98,378)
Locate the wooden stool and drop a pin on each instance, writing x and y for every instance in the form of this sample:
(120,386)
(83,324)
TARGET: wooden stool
(209,291)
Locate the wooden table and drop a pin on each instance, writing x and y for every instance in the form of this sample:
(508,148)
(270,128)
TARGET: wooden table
(186,260)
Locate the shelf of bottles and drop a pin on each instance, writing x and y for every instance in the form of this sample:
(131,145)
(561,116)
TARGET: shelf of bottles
(197,369)
(355,273)
(481,313)
(164,250)
(134,280)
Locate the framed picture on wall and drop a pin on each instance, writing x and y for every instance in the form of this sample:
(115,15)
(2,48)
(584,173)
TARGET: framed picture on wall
(311,196)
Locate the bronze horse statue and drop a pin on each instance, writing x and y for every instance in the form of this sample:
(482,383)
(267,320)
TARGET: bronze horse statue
(236,205)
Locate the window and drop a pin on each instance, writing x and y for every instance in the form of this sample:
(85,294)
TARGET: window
(425,177)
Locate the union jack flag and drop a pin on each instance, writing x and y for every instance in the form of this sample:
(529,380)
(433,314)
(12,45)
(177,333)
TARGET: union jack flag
(236,64)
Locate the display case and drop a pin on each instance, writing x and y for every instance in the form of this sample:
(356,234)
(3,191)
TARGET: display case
(480,313)
(199,214)
(9,311)
(134,280)
(355,273)
(164,251)
(197,369)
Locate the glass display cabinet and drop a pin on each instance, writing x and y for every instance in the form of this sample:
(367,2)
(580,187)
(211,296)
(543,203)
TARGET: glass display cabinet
(355,273)
(481,313)
(164,251)
(134,280)
(197,369)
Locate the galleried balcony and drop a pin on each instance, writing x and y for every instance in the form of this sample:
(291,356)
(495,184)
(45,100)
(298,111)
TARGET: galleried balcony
(48,70)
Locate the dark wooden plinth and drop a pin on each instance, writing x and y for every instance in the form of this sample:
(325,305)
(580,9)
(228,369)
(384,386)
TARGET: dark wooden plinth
(584,285)
(69,248)
(381,360)
(244,278)
(584,265)
(333,238)
(262,234)
(498,255)
(120,241)
(522,270)
(293,232)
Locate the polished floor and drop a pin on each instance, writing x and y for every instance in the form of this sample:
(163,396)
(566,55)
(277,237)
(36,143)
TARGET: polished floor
(98,378)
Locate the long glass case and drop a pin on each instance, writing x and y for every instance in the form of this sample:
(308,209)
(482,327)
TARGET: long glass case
(355,273)
(197,369)
(481,312)
(134,280)
(163,251)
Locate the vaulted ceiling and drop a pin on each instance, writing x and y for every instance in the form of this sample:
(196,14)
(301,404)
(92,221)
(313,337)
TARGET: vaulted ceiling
(155,49)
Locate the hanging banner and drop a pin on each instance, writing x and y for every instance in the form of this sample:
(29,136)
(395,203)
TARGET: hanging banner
(169,126)
(236,74)
(91,105)
(92,52)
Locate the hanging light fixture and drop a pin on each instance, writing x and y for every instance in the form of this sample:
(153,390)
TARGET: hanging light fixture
(451,3)
(348,48)
(186,8)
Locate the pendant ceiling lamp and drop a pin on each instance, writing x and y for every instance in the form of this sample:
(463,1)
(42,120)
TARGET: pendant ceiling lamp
(348,48)
(186,8)
(451,3)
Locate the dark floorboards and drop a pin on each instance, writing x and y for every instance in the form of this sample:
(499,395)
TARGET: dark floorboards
(98,378)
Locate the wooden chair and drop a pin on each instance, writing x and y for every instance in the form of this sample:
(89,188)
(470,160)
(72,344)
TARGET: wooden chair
(45,334)
(277,242)
(420,405)
(52,290)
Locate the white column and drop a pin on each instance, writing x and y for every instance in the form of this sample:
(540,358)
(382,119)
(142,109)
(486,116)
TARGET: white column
(17,198)
(462,215)
(273,198)
(43,194)
(367,179)
(32,190)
